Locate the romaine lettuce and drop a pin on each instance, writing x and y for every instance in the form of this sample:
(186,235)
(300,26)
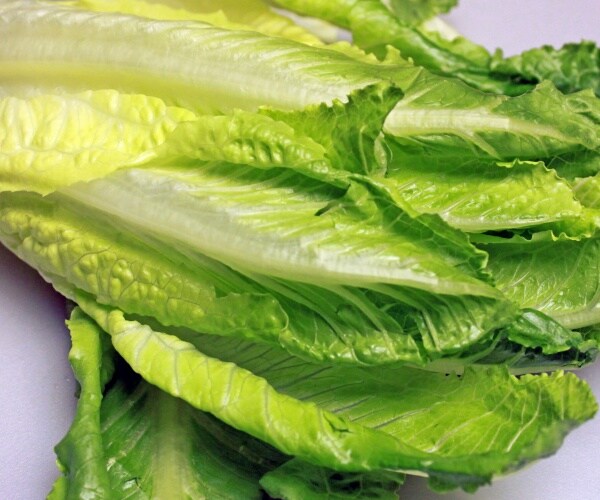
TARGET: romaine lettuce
(355,265)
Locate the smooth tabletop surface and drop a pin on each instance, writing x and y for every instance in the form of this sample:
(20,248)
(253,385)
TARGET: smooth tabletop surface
(37,386)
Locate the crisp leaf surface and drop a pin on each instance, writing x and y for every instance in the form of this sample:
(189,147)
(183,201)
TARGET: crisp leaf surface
(80,453)
(414,11)
(298,480)
(559,278)
(131,269)
(465,124)
(573,67)
(254,15)
(297,232)
(136,442)
(480,196)
(188,63)
(50,141)
(349,429)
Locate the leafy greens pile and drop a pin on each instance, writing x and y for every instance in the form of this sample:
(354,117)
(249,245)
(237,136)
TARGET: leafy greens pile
(299,267)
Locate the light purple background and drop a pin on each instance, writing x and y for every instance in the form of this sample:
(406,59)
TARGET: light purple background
(37,387)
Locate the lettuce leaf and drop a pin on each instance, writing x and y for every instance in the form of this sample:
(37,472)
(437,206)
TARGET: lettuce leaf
(573,67)
(298,480)
(538,125)
(51,141)
(559,278)
(134,54)
(339,421)
(478,196)
(412,12)
(80,453)
(134,441)
(376,24)
(206,77)
(255,15)
(384,317)
(374,27)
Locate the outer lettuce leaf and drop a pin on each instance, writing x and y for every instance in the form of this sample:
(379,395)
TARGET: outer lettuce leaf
(81,453)
(322,141)
(212,460)
(373,397)
(573,67)
(360,240)
(254,15)
(437,114)
(50,141)
(408,432)
(326,319)
(374,27)
(230,393)
(298,480)
(199,293)
(560,278)
(126,52)
(587,190)
(465,124)
(248,219)
(122,269)
(412,12)
(480,196)
(147,444)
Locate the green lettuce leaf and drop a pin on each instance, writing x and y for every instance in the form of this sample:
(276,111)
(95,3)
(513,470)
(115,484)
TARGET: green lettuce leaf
(80,453)
(274,237)
(50,141)
(374,27)
(255,15)
(298,480)
(125,52)
(413,12)
(573,67)
(321,141)
(541,124)
(559,278)
(458,308)
(339,421)
(122,269)
(135,441)
(307,305)
(587,190)
(479,196)
(439,115)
